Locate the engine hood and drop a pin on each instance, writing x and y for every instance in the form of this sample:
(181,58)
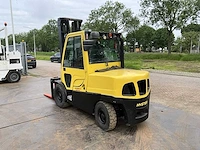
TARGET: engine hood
(112,82)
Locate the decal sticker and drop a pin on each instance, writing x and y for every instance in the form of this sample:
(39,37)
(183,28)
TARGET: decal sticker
(142,104)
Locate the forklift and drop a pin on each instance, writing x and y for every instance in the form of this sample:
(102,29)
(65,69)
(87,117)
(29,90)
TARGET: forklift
(10,62)
(93,77)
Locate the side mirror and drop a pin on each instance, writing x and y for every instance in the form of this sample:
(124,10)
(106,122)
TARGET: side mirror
(87,44)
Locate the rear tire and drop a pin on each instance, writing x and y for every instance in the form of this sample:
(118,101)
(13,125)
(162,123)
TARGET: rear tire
(60,96)
(13,76)
(105,116)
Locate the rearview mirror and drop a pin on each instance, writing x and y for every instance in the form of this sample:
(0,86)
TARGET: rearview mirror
(87,44)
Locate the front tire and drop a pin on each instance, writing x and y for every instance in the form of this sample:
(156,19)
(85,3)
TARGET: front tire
(105,116)
(60,96)
(34,66)
(13,76)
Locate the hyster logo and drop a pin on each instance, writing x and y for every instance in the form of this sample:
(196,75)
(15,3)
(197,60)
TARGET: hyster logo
(142,104)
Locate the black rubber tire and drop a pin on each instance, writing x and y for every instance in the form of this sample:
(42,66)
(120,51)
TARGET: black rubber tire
(13,76)
(51,60)
(34,66)
(105,116)
(60,96)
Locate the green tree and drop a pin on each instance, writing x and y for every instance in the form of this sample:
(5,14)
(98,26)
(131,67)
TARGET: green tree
(47,37)
(191,27)
(112,16)
(130,41)
(178,45)
(190,39)
(160,38)
(30,40)
(170,14)
(144,36)
(20,37)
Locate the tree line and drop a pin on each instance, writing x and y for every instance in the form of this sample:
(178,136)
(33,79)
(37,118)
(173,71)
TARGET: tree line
(166,15)
(46,38)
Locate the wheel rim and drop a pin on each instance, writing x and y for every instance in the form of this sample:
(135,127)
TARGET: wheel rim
(102,116)
(14,77)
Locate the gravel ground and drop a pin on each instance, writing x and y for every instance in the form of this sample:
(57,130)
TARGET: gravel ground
(28,120)
(177,73)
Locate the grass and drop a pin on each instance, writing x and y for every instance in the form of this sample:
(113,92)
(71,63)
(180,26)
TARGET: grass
(173,62)
(158,61)
(161,56)
(43,55)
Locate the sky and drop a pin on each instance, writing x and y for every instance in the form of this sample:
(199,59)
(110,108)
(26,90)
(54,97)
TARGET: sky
(30,14)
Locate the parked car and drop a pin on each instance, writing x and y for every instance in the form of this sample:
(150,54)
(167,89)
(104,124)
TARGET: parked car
(31,61)
(56,57)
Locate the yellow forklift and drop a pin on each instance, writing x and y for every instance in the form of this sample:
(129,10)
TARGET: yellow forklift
(93,77)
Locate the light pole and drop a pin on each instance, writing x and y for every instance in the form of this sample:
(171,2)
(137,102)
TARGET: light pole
(34,45)
(198,44)
(12,26)
(191,45)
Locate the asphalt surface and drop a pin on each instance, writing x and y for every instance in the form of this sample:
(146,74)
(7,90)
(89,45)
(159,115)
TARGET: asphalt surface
(28,120)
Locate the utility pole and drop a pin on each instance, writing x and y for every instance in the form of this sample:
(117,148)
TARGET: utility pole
(181,47)
(191,46)
(34,43)
(12,26)
(198,44)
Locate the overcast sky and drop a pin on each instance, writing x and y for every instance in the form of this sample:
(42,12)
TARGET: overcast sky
(36,13)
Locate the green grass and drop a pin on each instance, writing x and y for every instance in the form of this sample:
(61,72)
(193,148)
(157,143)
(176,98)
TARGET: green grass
(133,64)
(43,55)
(181,57)
(173,62)
(158,61)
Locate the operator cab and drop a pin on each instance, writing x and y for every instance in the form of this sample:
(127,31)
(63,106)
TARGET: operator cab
(104,48)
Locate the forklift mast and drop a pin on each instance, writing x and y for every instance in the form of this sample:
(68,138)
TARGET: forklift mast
(65,26)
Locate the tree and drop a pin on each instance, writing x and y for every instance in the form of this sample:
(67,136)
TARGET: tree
(190,39)
(130,41)
(30,40)
(47,37)
(178,45)
(160,38)
(170,14)
(191,27)
(144,35)
(20,37)
(112,16)
(191,35)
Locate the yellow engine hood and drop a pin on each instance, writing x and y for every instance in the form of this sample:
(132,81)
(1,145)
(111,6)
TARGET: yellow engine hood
(111,82)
